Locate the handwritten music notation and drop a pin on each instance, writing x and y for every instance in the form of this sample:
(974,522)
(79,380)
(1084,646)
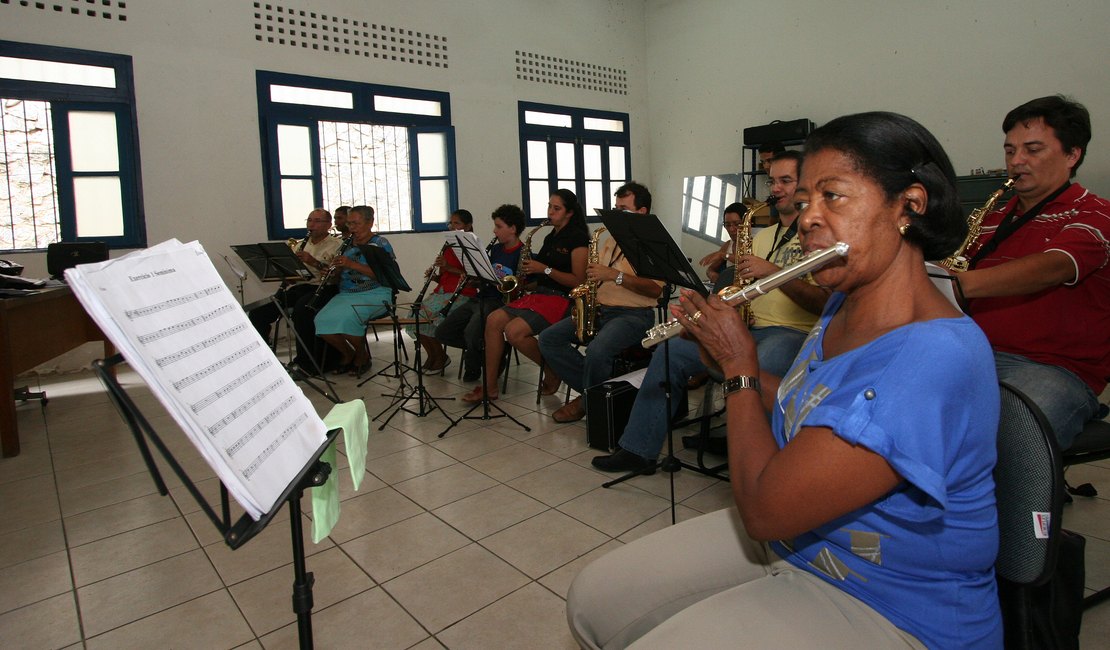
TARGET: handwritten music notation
(243,408)
(173,302)
(185,353)
(172,317)
(228,387)
(185,324)
(272,447)
(190,379)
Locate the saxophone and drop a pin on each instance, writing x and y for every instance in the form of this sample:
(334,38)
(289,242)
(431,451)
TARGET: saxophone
(585,298)
(742,245)
(526,252)
(958,261)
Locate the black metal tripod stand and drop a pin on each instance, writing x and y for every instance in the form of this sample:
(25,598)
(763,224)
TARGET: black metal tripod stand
(407,391)
(468,258)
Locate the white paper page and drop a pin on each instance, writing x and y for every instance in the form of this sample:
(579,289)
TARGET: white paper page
(636,378)
(171,316)
(475,261)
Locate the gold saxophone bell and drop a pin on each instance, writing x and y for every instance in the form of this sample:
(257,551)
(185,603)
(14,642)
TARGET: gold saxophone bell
(508,284)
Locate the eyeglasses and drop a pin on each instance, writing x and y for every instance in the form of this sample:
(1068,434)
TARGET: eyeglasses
(732,224)
(785,180)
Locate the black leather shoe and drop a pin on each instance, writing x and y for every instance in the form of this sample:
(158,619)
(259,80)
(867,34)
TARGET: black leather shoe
(624,461)
(472,375)
(715,444)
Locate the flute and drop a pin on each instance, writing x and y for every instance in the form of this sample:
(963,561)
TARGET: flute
(811,262)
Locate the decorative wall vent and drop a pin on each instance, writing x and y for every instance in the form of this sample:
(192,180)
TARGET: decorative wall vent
(102,9)
(311,30)
(541,68)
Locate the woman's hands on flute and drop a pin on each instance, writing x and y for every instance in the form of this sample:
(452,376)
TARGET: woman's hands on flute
(720,332)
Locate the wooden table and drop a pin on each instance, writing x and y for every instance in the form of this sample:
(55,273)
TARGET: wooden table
(33,330)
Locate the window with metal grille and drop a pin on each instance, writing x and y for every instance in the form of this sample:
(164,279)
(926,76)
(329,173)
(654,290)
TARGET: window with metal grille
(68,148)
(328,143)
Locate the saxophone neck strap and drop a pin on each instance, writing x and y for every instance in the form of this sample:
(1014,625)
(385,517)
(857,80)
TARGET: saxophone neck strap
(1010,224)
(791,230)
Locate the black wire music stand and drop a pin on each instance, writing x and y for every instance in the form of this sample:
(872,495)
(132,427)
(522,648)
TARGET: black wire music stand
(271,262)
(406,391)
(655,255)
(478,268)
(235,534)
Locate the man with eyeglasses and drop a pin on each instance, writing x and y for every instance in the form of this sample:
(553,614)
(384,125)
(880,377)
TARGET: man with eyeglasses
(780,322)
(316,252)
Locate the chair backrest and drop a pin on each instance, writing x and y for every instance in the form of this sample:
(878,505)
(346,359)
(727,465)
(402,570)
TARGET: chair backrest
(1029,488)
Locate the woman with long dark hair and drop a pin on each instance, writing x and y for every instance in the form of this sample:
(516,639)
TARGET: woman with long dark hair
(559,266)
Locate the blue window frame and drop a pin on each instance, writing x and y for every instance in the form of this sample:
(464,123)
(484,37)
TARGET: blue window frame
(582,150)
(69,158)
(329,142)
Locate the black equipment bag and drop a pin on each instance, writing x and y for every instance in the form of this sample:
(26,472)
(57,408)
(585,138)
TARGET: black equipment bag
(607,408)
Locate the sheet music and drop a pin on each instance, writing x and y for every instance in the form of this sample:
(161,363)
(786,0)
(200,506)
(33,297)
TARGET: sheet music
(169,313)
(475,261)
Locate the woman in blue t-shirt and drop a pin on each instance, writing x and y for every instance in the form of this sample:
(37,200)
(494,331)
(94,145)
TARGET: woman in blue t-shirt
(864,510)
(342,322)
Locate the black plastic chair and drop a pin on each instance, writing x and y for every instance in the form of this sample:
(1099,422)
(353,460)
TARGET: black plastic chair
(1029,488)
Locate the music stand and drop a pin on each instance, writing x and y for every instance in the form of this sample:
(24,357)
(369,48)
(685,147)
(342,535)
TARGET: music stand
(313,474)
(385,268)
(655,255)
(406,391)
(478,267)
(272,261)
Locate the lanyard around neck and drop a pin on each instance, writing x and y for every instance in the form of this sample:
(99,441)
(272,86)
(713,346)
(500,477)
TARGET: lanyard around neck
(1010,225)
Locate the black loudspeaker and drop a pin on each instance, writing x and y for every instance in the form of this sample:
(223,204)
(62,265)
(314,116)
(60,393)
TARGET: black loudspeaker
(607,408)
(778,131)
(66,255)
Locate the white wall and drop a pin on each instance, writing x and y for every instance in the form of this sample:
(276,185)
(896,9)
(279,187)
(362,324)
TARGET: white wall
(699,72)
(195,66)
(717,66)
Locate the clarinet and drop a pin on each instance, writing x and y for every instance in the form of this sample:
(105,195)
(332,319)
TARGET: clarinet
(314,303)
(429,275)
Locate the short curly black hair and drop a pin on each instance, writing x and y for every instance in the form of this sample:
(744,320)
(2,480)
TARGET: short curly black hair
(512,215)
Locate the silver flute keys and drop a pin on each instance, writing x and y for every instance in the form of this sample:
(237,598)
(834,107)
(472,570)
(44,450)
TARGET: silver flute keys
(811,262)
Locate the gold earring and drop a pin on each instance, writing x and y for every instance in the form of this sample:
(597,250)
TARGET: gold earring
(903,228)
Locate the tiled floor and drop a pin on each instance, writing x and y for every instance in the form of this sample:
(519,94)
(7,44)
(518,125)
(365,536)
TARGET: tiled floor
(466,541)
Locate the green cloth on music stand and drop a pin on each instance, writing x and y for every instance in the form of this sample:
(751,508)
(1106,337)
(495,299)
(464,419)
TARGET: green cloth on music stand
(351,417)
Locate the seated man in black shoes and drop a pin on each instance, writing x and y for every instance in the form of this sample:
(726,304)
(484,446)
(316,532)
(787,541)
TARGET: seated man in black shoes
(315,251)
(624,311)
(780,321)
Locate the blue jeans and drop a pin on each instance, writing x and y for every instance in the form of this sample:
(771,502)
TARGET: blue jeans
(618,328)
(1066,401)
(646,430)
(464,326)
